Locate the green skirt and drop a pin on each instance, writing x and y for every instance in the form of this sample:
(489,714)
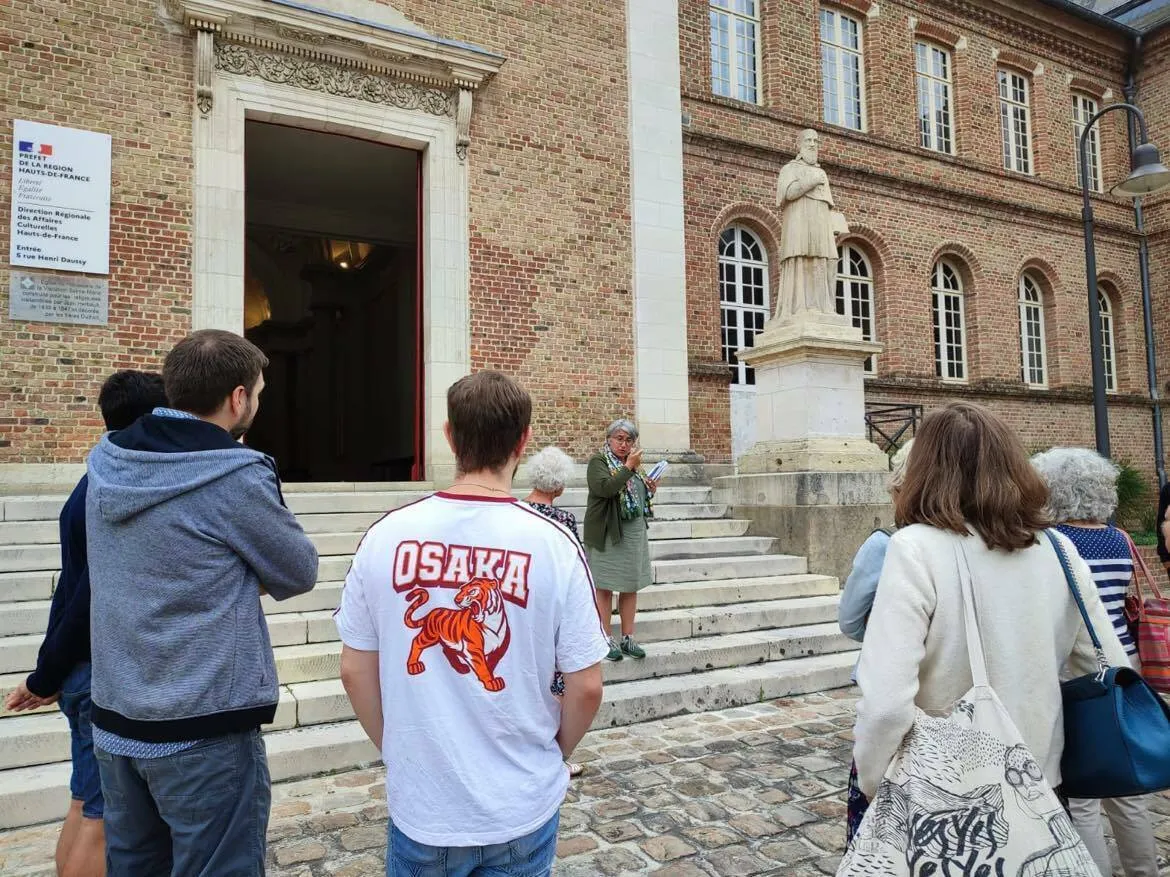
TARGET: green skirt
(624,567)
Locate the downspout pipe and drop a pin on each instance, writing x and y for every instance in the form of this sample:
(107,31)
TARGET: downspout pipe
(1144,271)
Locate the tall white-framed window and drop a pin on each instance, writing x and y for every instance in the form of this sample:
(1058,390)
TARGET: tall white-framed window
(1084,108)
(933,65)
(855,294)
(1033,360)
(1108,342)
(1015,121)
(950,322)
(735,49)
(743,296)
(842,70)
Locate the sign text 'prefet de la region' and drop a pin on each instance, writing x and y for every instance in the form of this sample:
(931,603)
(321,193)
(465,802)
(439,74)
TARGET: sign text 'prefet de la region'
(60,198)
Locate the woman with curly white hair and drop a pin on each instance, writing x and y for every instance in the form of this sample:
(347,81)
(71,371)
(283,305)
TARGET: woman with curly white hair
(549,471)
(1082,496)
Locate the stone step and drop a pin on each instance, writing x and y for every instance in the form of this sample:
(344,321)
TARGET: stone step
(325,700)
(29,533)
(678,595)
(311,662)
(724,568)
(299,487)
(8,682)
(577,497)
(645,700)
(31,508)
(16,586)
(349,503)
(29,739)
(34,794)
(29,558)
(729,546)
(704,621)
(300,628)
(18,654)
(28,616)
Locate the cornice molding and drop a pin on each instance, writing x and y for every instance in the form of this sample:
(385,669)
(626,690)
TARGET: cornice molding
(334,53)
(994,20)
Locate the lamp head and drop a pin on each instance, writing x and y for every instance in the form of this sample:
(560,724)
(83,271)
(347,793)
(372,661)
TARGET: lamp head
(1148,176)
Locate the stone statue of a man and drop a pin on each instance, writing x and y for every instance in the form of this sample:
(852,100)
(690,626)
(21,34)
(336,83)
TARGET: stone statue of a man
(808,241)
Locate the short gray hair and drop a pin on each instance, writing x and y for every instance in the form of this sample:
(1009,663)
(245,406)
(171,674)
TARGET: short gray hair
(550,470)
(622,425)
(898,464)
(1082,485)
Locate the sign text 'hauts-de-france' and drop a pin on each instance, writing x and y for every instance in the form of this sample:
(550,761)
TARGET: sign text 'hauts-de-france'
(60,198)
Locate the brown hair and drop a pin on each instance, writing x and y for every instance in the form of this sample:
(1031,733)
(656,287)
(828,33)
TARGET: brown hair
(969,468)
(489,414)
(204,369)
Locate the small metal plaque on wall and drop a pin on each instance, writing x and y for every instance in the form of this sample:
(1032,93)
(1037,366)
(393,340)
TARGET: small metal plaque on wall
(49,298)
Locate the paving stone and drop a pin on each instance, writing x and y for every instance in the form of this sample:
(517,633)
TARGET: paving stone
(575,845)
(738,861)
(300,851)
(666,848)
(618,831)
(680,869)
(711,837)
(363,866)
(290,808)
(788,852)
(364,837)
(332,821)
(615,808)
(792,816)
(753,825)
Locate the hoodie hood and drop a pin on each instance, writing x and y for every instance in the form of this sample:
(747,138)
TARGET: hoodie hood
(158,459)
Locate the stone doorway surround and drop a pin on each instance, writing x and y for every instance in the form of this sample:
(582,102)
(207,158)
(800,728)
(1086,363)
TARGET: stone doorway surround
(352,67)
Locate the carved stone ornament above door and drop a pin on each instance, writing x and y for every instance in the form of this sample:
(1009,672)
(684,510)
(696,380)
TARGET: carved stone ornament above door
(357,49)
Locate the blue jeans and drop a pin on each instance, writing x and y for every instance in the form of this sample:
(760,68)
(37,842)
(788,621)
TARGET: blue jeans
(528,856)
(202,812)
(85,784)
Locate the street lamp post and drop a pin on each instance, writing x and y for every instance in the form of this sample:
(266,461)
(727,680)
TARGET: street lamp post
(1148,175)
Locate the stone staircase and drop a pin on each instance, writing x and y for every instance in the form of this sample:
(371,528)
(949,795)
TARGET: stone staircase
(729,620)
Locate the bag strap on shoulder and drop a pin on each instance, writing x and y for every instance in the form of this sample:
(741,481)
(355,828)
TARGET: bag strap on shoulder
(1070,579)
(1140,571)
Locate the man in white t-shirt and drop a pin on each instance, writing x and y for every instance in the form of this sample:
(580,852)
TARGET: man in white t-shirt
(457,612)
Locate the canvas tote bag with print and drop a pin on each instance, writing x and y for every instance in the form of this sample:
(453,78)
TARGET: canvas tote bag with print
(964,796)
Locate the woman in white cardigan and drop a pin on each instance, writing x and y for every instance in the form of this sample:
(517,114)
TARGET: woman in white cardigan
(969,481)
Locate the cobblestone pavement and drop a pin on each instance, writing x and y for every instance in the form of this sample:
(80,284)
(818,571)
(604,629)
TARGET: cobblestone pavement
(753,790)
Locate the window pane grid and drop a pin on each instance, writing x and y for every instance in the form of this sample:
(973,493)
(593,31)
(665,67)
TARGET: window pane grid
(1032,355)
(934,97)
(738,80)
(1084,108)
(947,306)
(1014,122)
(1108,352)
(842,78)
(854,295)
(743,296)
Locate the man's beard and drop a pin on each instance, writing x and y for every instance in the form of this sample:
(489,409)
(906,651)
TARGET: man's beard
(808,156)
(245,422)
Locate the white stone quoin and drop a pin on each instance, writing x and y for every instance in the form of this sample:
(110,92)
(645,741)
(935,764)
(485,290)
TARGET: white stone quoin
(661,381)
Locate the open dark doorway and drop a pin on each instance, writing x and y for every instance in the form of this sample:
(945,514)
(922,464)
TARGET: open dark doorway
(332,297)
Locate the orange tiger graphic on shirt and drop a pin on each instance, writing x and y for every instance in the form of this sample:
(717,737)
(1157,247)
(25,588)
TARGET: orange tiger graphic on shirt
(474,636)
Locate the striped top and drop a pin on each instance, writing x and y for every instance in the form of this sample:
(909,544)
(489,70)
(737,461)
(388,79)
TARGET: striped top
(1106,552)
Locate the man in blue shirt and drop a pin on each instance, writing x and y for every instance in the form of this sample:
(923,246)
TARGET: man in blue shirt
(63,665)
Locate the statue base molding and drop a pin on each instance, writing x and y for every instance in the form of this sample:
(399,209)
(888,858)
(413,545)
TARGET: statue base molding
(810,398)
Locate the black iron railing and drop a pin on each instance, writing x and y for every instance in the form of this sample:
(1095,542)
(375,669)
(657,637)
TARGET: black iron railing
(891,426)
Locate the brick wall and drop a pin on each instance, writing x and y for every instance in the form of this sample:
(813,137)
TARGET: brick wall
(549,206)
(908,206)
(105,67)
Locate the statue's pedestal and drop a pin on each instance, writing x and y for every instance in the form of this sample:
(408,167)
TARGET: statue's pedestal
(810,398)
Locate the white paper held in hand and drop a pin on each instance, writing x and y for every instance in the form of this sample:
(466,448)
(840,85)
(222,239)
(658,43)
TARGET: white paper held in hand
(658,469)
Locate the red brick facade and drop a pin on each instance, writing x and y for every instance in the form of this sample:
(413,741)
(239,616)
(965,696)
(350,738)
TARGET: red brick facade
(549,195)
(908,206)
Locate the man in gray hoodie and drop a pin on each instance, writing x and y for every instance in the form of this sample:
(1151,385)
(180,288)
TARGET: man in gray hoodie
(186,528)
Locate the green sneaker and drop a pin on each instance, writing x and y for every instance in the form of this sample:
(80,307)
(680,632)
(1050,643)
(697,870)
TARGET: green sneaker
(615,653)
(632,649)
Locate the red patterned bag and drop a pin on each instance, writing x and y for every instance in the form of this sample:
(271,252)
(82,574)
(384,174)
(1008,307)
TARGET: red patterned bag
(1150,619)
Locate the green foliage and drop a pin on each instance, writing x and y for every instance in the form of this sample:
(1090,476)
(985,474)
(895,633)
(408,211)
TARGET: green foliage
(1136,499)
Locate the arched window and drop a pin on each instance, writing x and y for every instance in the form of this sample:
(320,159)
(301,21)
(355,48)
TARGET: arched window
(1033,365)
(1108,345)
(950,322)
(855,294)
(743,296)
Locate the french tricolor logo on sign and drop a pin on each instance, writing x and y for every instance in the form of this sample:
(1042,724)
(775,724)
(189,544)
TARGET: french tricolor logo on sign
(36,148)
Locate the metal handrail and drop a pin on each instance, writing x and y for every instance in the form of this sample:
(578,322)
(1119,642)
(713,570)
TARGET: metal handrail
(890,426)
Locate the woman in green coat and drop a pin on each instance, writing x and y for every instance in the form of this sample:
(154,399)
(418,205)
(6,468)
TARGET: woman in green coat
(616,521)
